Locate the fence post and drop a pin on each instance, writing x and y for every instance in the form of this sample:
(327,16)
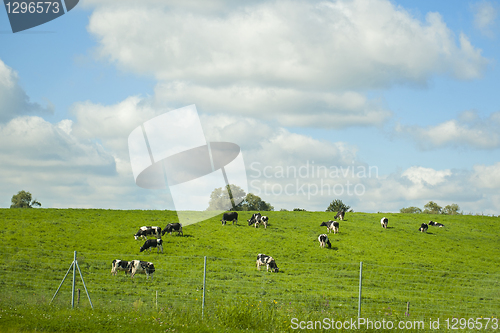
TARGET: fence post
(360,285)
(204,286)
(74,280)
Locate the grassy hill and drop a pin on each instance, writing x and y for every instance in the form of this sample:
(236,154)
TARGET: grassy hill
(448,272)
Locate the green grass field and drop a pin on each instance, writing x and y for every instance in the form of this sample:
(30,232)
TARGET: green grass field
(450,272)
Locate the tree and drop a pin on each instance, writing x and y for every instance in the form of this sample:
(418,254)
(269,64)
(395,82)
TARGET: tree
(299,210)
(337,205)
(432,208)
(254,202)
(24,199)
(410,210)
(451,209)
(223,198)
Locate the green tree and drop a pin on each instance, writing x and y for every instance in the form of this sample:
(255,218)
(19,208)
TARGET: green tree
(299,210)
(451,209)
(254,202)
(223,198)
(432,208)
(24,199)
(337,205)
(410,210)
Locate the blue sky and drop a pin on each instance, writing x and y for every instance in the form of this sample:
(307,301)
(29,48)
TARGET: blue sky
(407,87)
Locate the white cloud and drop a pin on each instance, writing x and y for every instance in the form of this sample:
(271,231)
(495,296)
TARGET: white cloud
(468,130)
(485,14)
(421,175)
(13,99)
(321,45)
(295,62)
(486,176)
(288,106)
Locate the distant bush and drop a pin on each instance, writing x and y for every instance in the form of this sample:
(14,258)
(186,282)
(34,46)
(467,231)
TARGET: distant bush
(410,210)
(299,210)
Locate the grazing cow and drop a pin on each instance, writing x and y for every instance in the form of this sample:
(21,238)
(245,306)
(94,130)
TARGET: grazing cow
(323,240)
(173,227)
(158,243)
(423,227)
(384,221)
(142,267)
(144,232)
(435,224)
(262,260)
(120,265)
(255,219)
(340,215)
(231,216)
(264,220)
(258,219)
(331,226)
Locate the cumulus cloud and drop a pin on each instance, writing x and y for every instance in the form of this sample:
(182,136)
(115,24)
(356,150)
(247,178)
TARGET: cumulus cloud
(468,130)
(295,62)
(321,45)
(485,15)
(288,106)
(13,99)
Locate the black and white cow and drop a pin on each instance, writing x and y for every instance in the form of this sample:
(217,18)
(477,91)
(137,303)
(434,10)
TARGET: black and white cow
(268,261)
(144,232)
(264,220)
(435,224)
(142,267)
(158,243)
(384,222)
(173,227)
(423,227)
(323,240)
(231,216)
(255,219)
(120,265)
(331,226)
(340,215)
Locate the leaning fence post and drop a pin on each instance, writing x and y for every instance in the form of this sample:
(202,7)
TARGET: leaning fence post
(360,285)
(204,285)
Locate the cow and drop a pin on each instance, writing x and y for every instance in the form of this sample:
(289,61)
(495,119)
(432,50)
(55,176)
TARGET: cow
(120,265)
(384,221)
(173,227)
(323,240)
(258,219)
(262,260)
(264,220)
(331,226)
(158,243)
(340,215)
(255,219)
(423,227)
(435,224)
(142,267)
(231,216)
(144,232)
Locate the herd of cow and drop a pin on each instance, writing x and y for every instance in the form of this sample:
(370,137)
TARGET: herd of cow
(144,267)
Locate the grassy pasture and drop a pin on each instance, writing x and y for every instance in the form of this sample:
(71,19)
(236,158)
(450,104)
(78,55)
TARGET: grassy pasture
(448,272)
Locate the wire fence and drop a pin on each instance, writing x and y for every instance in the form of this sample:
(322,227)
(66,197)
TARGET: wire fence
(179,282)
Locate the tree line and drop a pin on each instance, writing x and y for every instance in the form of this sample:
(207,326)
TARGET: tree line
(433,208)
